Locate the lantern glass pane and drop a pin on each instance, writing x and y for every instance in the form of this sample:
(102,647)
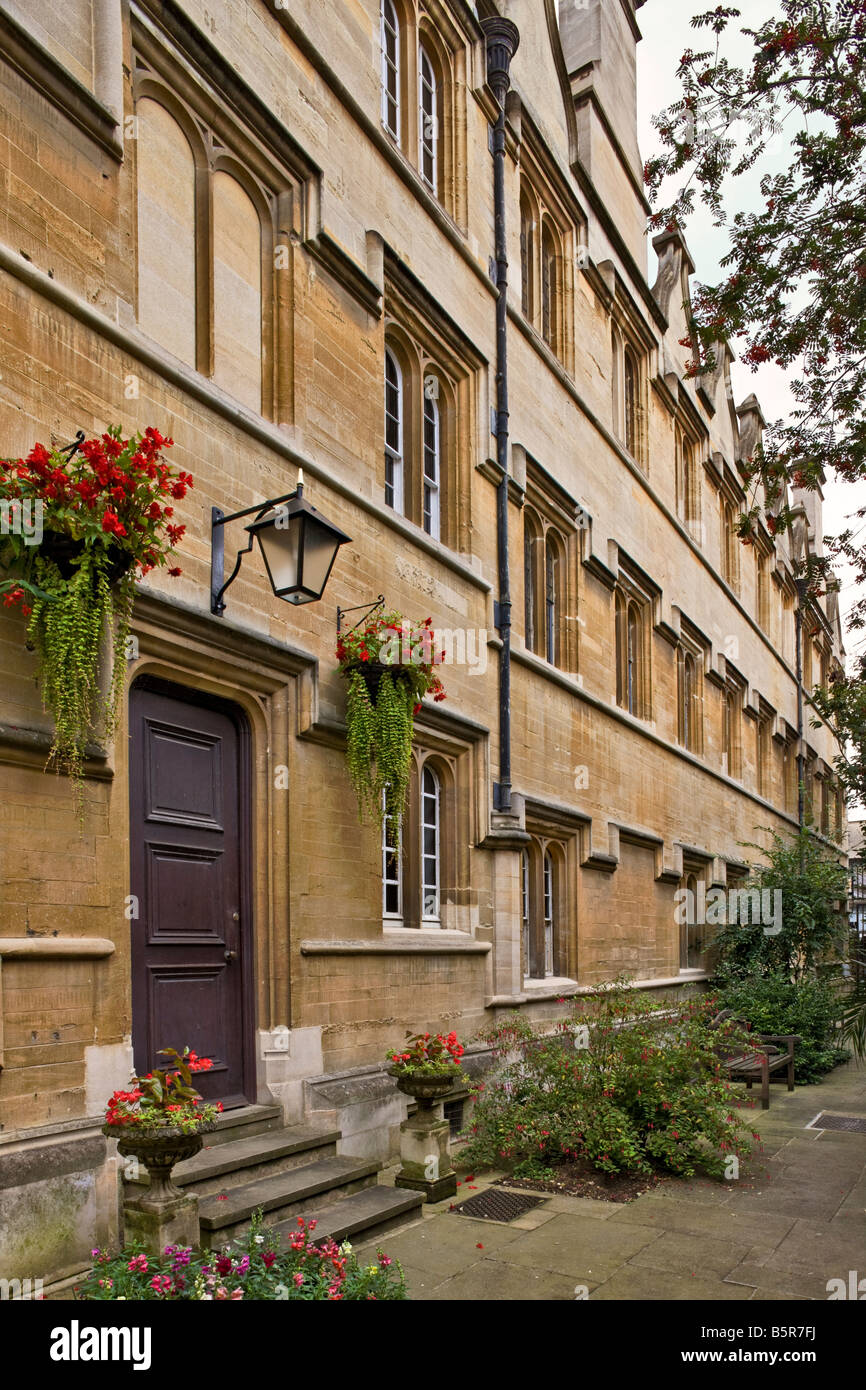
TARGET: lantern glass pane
(279,544)
(319,549)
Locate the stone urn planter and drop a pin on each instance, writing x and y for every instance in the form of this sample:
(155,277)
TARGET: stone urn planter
(163,1214)
(425,1151)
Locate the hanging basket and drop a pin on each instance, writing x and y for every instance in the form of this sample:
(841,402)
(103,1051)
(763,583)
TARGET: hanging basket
(372,672)
(64,551)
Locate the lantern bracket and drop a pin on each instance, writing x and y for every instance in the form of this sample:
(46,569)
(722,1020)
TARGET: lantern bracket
(370,610)
(217,555)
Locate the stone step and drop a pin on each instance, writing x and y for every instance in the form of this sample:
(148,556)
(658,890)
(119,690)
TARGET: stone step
(226,1216)
(368,1214)
(221,1167)
(244,1121)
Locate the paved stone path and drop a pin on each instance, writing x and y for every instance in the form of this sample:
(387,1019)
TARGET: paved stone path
(795,1219)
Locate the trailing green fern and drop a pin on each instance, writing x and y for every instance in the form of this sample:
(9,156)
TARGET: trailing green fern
(67,627)
(379,745)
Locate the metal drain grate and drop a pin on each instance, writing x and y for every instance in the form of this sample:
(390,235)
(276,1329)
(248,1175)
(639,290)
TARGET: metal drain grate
(496,1205)
(851,1124)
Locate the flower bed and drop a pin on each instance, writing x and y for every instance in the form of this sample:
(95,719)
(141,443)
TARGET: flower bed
(254,1267)
(618,1085)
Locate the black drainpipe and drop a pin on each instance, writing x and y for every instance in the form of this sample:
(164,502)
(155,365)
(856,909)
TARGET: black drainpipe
(502,38)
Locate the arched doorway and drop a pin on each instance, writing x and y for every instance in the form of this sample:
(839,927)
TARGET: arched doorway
(192,940)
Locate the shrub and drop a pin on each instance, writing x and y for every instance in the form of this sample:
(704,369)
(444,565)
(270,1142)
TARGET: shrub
(617,1083)
(254,1267)
(811,882)
(809,1008)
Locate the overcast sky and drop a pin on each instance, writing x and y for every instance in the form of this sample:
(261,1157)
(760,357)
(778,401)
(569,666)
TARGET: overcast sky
(666,34)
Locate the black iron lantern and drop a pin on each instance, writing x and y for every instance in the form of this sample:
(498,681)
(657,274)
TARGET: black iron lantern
(298,545)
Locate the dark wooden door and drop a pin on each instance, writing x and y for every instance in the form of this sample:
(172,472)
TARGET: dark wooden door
(191,942)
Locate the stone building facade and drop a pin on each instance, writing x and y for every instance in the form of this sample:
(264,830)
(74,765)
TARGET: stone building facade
(240,221)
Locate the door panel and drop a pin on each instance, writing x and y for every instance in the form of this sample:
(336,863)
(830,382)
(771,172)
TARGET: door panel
(191,947)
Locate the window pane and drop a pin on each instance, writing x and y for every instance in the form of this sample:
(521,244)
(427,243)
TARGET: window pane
(390,69)
(529,584)
(432,463)
(524,908)
(430,843)
(548,915)
(428,121)
(551,601)
(392,870)
(393,433)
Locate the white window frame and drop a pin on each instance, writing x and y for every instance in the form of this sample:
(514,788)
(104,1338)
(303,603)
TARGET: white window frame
(432,459)
(549,917)
(524,909)
(435,917)
(428,148)
(390,29)
(391,853)
(394,455)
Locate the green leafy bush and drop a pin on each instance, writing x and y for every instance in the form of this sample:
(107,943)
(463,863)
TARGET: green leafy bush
(812,931)
(777,1004)
(254,1267)
(617,1083)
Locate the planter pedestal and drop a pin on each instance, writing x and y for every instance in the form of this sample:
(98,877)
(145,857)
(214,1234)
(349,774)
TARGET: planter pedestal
(175,1222)
(163,1214)
(425,1140)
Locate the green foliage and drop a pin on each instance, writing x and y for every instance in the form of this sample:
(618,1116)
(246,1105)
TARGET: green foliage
(254,1267)
(379,728)
(531,1168)
(810,881)
(617,1083)
(793,284)
(379,745)
(842,705)
(810,1008)
(67,627)
(853,1017)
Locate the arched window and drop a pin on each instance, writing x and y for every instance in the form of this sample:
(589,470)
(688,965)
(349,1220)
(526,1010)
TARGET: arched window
(237,291)
(688,486)
(615,379)
(390,69)
(694,929)
(166,219)
(430,855)
(629,655)
(527,258)
(730,546)
(731,733)
(524,907)
(549,910)
(432,460)
(631,384)
(633,671)
(762,739)
(393,432)
(687,673)
(551,600)
(549,289)
(428,121)
(533,549)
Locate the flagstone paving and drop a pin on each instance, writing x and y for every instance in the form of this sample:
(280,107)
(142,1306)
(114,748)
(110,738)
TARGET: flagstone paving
(794,1219)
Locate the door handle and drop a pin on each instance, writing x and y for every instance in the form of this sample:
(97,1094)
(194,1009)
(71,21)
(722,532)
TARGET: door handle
(230,956)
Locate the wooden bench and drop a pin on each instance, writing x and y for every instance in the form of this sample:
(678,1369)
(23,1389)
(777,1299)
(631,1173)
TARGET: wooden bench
(763,1062)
